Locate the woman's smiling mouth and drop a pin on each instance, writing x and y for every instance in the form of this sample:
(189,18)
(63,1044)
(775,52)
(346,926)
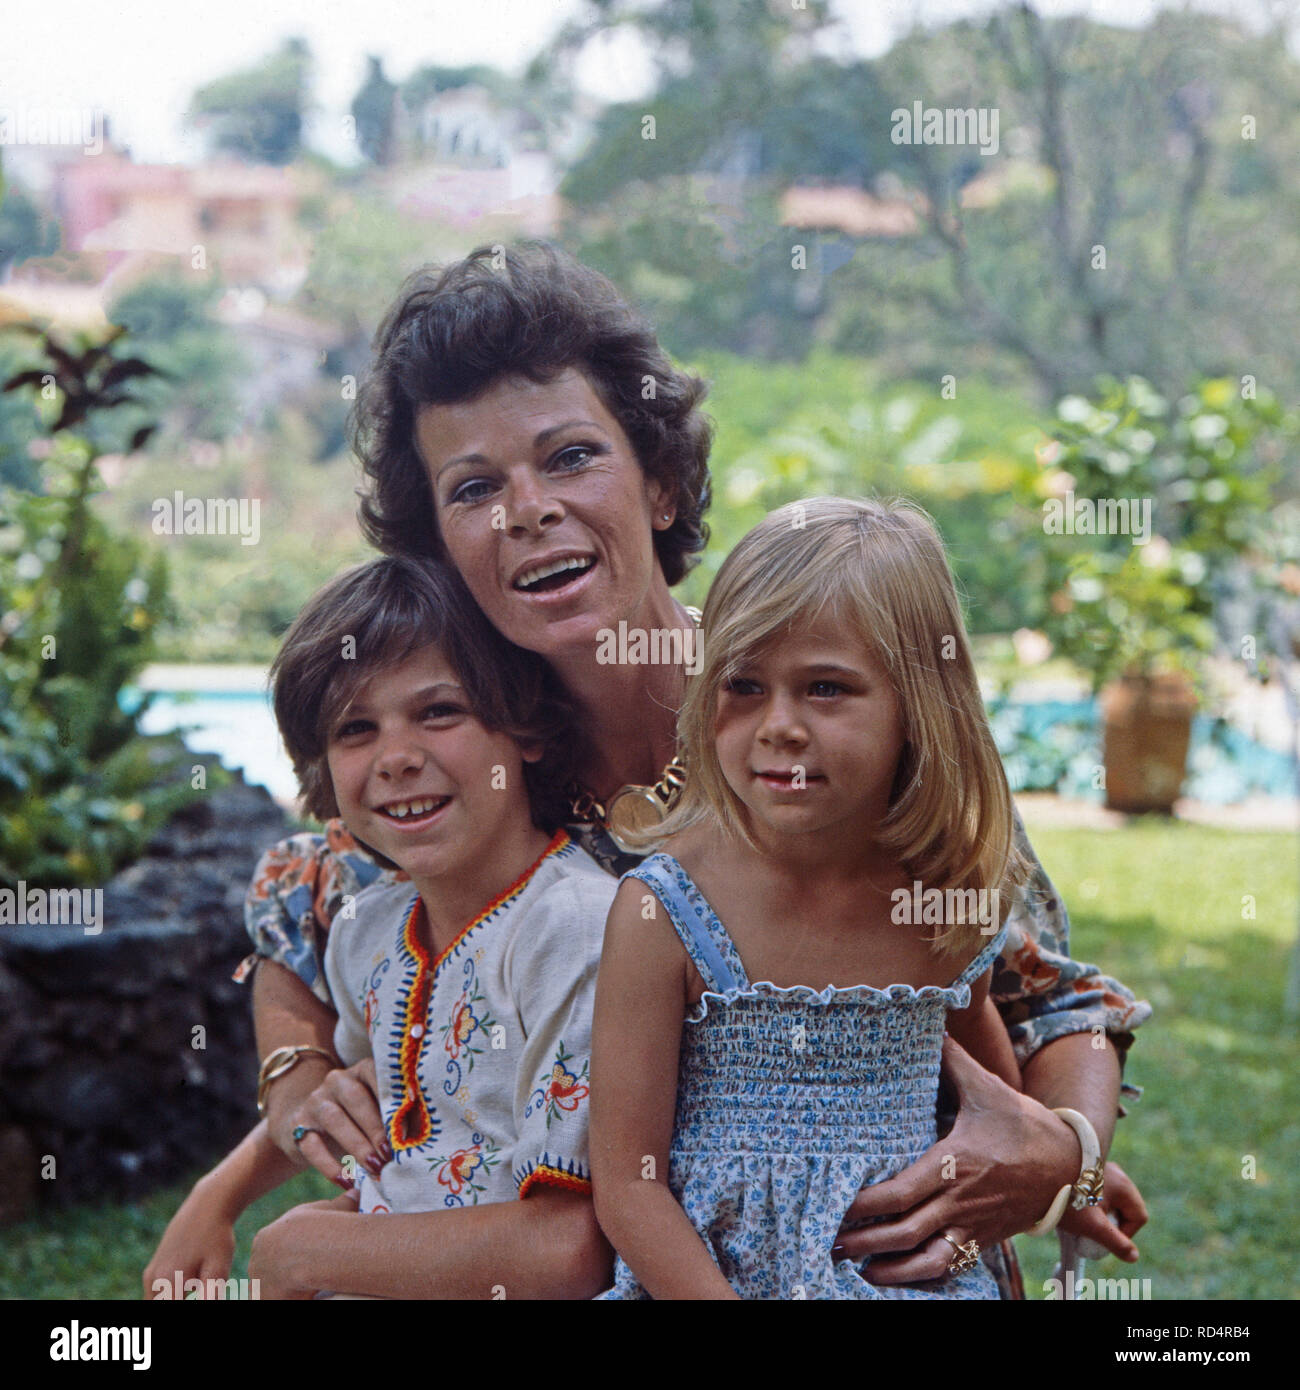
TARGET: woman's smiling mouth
(554,575)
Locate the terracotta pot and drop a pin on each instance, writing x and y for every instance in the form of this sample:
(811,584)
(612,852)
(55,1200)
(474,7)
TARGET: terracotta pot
(1147,726)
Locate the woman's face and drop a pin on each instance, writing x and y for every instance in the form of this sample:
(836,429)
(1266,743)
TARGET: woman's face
(544,509)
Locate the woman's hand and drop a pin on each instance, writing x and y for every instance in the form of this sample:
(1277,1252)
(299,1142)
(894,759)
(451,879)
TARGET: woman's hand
(1121,1199)
(199,1243)
(344,1112)
(995,1174)
(274,1261)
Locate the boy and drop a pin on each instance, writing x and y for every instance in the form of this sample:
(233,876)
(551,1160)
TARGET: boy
(471,976)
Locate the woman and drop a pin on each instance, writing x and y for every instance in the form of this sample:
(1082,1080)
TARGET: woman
(523,423)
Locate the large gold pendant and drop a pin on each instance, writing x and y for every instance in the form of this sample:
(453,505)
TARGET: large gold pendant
(633,809)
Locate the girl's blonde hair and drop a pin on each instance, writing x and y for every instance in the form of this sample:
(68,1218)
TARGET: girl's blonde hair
(879,568)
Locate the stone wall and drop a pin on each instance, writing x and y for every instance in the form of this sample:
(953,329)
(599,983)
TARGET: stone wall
(106,1088)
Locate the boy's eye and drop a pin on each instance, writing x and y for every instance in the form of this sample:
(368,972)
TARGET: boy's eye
(353,727)
(441,711)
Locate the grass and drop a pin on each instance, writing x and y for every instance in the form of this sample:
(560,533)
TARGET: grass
(1165,907)
(1160,905)
(101,1251)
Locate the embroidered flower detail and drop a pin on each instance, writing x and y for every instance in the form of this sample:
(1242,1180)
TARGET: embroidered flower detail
(457,1172)
(469,1018)
(559,1090)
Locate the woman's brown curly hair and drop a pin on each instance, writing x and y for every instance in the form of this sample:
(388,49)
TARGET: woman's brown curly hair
(532,311)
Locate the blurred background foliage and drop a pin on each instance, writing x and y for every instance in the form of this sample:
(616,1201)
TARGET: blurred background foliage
(81,789)
(1131,240)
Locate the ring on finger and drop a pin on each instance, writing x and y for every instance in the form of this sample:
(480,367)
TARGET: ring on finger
(300,1132)
(967,1256)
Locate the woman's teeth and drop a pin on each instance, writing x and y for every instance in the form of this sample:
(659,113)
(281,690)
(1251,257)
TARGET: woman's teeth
(401,809)
(530,578)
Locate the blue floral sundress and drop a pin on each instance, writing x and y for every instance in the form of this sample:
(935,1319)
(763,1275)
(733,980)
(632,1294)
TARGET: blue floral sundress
(790,1099)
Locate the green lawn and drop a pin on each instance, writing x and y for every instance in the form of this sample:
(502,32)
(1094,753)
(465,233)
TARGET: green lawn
(1160,905)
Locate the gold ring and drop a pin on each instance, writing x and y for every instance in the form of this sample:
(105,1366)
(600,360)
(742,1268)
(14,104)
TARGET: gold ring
(967,1256)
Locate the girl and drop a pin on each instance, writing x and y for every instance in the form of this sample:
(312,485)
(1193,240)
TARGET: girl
(848,820)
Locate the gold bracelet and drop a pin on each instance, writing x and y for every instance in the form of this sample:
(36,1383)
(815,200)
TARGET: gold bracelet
(279,1061)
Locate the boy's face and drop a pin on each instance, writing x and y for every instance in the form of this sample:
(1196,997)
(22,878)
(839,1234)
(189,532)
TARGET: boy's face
(419,778)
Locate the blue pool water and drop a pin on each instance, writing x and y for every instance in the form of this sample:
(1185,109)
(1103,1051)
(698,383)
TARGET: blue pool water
(1047,745)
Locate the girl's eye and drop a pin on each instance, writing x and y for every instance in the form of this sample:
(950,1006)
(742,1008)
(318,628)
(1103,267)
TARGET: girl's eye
(825,689)
(741,685)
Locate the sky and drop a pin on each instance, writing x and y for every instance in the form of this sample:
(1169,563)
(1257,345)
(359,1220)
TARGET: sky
(140,60)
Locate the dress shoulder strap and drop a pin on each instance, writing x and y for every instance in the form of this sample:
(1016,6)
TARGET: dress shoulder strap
(706,941)
(988,954)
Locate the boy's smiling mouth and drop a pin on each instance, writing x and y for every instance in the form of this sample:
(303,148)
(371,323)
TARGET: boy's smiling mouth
(412,811)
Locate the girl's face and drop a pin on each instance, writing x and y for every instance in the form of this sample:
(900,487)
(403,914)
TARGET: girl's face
(809,734)
(544,509)
(418,777)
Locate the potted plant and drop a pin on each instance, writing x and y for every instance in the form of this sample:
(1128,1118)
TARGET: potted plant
(1147,505)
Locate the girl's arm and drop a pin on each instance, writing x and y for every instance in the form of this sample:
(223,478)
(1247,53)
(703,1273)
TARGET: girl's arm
(544,1245)
(636,1037)
(980,1030)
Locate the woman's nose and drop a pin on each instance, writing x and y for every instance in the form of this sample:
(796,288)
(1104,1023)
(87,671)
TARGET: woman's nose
(529,505)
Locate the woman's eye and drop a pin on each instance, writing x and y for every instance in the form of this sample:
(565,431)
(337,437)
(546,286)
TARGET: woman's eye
(470,491)
(574,456)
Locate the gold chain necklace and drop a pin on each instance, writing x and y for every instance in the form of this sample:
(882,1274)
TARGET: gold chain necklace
(633,808)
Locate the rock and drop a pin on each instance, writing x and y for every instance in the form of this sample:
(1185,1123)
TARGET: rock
(97,1063)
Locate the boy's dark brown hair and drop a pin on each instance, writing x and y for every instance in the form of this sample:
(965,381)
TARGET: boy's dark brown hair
(375,616)
(530,311)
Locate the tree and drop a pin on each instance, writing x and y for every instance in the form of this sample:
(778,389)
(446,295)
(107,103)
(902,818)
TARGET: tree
(169,317)
(25,230)
(258,113)
(1136,225)
(374,109)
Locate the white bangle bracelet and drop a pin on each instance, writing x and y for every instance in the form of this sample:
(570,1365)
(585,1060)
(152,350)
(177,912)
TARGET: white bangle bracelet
(1087,1187)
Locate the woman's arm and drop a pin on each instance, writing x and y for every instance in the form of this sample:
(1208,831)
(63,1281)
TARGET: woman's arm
(980,1030)
(640,1001)
(545,1245)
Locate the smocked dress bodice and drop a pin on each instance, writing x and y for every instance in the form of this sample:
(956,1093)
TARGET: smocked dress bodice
(790,1099)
